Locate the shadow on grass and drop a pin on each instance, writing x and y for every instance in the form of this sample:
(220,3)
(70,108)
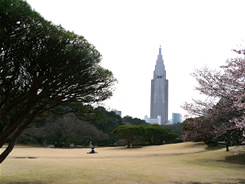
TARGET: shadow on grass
(189,182)
(24,182)
(236,159)
(241,181)
(25,157)
(238,181)
(214,147)
(124,147)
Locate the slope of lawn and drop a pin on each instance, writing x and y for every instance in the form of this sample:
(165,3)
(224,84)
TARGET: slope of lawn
(188,163)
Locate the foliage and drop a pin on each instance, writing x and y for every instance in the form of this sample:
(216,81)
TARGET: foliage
(175,128)
(70,129)
(105,120)
(222,115)
(154,134)
(133,121)
(128,132)
(42,66)
(198,129)
(61,127)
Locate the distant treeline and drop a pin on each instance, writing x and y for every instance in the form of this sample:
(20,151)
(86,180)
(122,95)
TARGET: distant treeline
(83,125)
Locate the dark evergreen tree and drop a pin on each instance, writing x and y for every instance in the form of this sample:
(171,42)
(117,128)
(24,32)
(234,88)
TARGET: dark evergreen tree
(42,66)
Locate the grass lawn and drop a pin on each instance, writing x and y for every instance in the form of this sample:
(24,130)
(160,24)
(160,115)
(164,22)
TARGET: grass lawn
(183,163)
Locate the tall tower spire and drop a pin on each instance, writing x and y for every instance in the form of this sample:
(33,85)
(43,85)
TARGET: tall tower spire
(159,91)
(160,60)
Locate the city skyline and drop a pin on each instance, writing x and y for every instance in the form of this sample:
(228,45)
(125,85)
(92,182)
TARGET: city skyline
(192,34)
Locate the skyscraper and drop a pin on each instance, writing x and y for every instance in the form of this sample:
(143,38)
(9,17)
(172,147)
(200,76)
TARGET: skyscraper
(159,91)
(176,117)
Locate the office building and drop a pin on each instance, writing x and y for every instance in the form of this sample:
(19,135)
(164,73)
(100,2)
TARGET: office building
(176,117)
(159,91)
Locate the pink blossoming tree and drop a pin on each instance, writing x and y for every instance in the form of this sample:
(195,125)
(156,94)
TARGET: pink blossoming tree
(222,114)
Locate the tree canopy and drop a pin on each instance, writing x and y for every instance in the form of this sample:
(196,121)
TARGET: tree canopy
(133,121)
(222,114)
(128,132)
(156,134)
(43,66)
(153,134)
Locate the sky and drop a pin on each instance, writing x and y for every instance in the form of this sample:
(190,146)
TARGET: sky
(128,33)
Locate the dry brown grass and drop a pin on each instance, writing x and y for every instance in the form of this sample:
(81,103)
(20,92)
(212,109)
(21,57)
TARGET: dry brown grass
(188,163)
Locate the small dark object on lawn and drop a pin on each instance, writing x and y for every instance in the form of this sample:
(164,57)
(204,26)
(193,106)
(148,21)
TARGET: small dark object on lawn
(92,151)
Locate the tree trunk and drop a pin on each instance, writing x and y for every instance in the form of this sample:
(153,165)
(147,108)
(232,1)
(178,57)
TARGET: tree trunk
(20,117)
(6,152)
(10,146)
(16,136)
(128,143)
